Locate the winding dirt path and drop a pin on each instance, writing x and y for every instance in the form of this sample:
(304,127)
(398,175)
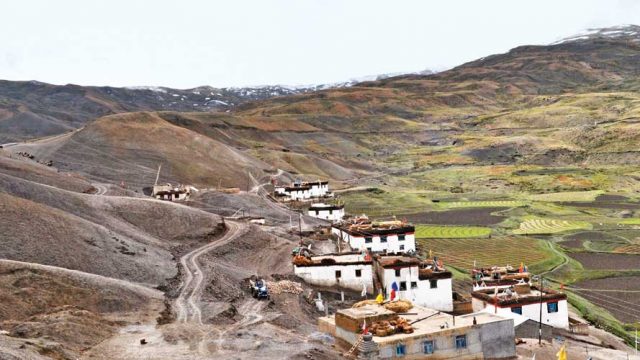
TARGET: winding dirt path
(187,307)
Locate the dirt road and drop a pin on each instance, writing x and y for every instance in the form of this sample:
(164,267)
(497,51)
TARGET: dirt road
(187,306)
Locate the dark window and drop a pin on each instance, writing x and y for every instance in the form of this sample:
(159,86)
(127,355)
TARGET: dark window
(368,248)
(368,239)
(401,237)
(401,350)
(401,247)
(397,272)
(338,274)
(433,284)
(517,310)
(552,307)
(427,347)
(317,212)
(461,341)
(330,211)
(414,285)
(358,273)
(383,239)
(403,286)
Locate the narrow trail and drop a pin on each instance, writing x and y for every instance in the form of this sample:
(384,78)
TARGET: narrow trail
(188,309)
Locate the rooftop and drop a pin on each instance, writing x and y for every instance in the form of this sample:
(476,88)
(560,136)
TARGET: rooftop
(518,294)
(425,321)
(351,258)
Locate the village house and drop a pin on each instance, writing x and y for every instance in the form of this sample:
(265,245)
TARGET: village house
(352,270)
(385,237)
(434,334)
(326,211)
(500,277)
(171,193)
(426,284)
(302,191)
(525,300)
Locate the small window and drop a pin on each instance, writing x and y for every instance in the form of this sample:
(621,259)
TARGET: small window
(517,310)
(368,248)
(317,212)
(401,350)
(552,307)
(461,341)
(403,286)
(383,239)
(401,237)
(427,347)
(358,273)
(414,284)
(368,239)
(330,212)
(338,274)
(401,247)
(433,284)
(397,272)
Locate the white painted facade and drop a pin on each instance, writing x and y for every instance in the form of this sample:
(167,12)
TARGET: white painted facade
(303,191)
(326,212)
(392,243)
(318,189)
(431,293)
(350,271)
(559,319)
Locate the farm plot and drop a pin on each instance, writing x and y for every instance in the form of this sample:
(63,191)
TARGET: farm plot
(550,226)
(482,204)
(595,241)
(605,261)
(568,196)
(611,294)
(472,216)
(462,253)
(451,232)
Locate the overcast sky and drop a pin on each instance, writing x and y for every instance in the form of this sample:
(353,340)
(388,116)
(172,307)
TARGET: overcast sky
(187,43)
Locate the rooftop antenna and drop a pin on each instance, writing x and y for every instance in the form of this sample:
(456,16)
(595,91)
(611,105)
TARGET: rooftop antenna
(158,175)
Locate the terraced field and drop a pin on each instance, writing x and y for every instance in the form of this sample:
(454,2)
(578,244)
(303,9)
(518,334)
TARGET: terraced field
(462,253)
(476,204)
(568,196)
(550,226)
(451,232)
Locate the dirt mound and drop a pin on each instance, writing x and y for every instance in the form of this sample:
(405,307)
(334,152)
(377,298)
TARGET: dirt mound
(129,147)
(72,310)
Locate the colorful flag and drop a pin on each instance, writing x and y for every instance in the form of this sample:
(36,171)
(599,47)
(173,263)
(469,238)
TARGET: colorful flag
(364,290)
(521,270)
(562,354)
(393,294)
(394,286)
(365,330)
(379,298)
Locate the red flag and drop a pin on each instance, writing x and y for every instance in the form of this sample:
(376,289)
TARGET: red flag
(365,330)
(393,294)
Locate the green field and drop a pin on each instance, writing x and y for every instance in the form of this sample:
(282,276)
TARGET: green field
(568,196)
(476,204)
(451,232)
(550,226)
(462,253)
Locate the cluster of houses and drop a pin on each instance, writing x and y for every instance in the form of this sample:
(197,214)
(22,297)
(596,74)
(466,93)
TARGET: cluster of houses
(379,261)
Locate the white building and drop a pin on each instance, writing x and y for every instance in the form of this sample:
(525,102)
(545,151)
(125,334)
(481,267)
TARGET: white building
(525,300)
(392,239)
(346,270)
(435,335)
(423,284)
(302,191)
(170,192)
(327,211)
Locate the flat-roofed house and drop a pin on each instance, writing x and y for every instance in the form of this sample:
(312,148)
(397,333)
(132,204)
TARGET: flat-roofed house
(435,335)
(525,300)
(423,283)
(326,211)
(389,236)
(347,270)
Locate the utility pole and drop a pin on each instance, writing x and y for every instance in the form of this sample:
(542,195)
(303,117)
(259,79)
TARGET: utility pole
(540,320)
(300,227)
(158,174)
